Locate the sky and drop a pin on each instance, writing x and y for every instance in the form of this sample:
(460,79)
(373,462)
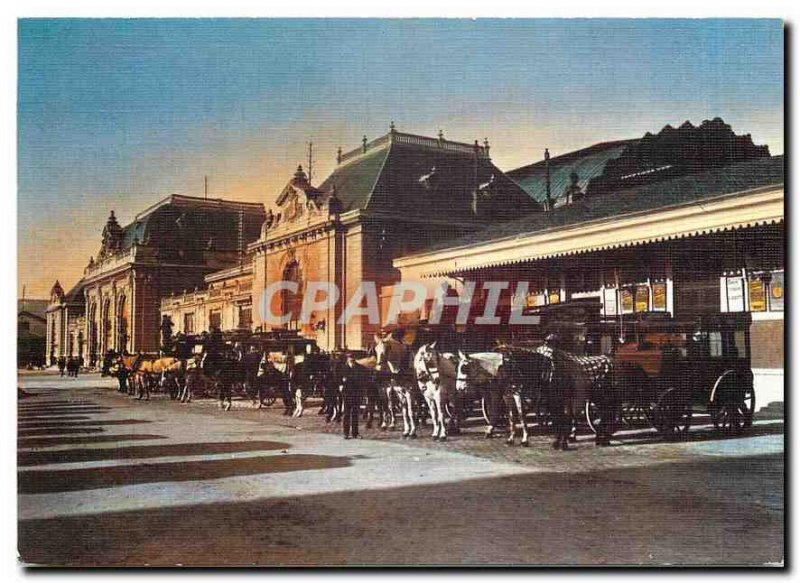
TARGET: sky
(118,114)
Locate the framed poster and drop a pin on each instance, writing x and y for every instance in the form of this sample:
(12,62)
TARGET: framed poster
(626,299)
(735,291)
(642,298)
(776,292)
(610,301)
(660,297)
(758,295)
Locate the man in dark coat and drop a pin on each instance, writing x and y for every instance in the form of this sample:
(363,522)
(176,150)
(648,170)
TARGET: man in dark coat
(122,377)
(353,380)
(62,364)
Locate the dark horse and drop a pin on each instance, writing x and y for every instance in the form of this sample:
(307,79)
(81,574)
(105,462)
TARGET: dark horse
(572,382)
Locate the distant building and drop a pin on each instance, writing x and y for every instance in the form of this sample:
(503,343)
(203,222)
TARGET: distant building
(31,332)
(167,248)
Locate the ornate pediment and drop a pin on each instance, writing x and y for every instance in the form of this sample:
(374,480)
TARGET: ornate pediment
(298,199)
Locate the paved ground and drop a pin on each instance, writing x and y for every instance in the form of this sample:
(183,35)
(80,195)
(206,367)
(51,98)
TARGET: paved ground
(104,480)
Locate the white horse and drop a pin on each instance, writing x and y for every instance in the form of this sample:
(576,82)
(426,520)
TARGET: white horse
(394,364)
(484,370)
(436,376)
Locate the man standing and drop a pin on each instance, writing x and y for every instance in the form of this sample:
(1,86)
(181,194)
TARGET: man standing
(122,377)
(62,364)
(353,379)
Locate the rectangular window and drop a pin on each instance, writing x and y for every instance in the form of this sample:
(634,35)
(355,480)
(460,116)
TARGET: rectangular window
(188,323)
(215,320)
(245,316)
(715,344)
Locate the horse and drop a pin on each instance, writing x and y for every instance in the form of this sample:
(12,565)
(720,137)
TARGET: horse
(254,386)
(376,399)
(130,363)
(507,377)
(194,378)
(396,379)
(571,382)
(221,369)
(310,376)
(173,374)
(436,377)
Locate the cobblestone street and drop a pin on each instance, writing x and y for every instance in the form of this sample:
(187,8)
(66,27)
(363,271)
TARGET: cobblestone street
(104,479)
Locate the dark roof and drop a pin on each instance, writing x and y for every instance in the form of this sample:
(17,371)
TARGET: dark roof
(412,175)
(75,295)
(35,307)
(355,181)
(586,163)
(726,180)
(189,223)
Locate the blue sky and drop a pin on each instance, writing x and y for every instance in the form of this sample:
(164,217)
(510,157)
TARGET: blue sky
(120,113)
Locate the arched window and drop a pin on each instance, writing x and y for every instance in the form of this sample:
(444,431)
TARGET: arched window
(93,334)
(292,303)
(123,320)
(106,325)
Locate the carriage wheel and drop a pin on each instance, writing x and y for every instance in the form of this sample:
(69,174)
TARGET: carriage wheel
(672,416)
(733,405)
(594,417)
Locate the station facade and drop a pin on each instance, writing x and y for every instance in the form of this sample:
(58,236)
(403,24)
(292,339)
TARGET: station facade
(688,221)
(700,241)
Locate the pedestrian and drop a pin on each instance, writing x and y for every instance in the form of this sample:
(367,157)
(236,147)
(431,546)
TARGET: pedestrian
(122,377)
(353,379)
(62,364)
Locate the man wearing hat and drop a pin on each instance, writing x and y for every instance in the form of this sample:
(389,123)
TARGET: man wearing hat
(353,379)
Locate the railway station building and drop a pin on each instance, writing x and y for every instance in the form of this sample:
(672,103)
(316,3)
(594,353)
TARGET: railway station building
(686,222)
(388,197)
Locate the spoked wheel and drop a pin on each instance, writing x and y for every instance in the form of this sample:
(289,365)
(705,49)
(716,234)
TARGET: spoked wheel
(733,404)
(594,416)
(672,417)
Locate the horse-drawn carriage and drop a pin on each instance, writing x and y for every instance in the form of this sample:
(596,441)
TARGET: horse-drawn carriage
(669,369)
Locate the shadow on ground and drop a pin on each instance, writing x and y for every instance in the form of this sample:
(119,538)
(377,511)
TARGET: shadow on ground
(25,432)
(36,458)
(53,441)
(48,481)
(58,424)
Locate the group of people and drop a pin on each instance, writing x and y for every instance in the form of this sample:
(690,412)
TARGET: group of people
(71,365)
